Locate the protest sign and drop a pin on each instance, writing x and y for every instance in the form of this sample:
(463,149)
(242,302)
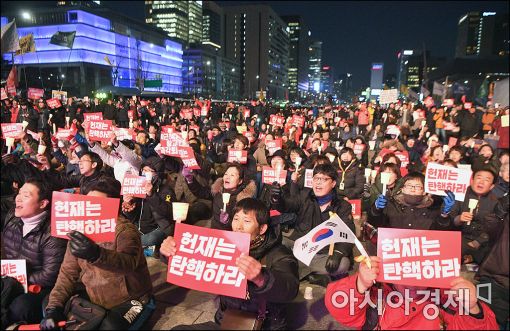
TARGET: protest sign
(100,130)
(308,178)
(61,95)
(356,208)
(504,121)
(241,128)
(170,143)
(53,103)
(404,161)
(92,117)
(188,157)
(388,96)
(468,105)
(12,130)
(298,121)
(246,112)
(95,217)
(131,114)
(204,111)
(270,175)
(358,150)
(64,134)
(35,93)
(331,231)
(393,130)
(206,260)
(418,257)
(16,269)
(449,126)
(448,102)
(273,145)
(11,89)
(4,94)
(276,120)
(439,178)
(240,156)
(134,185)
(123,133)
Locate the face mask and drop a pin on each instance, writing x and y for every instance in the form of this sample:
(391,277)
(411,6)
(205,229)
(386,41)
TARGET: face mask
(147,175)
(412,200)
(345,164)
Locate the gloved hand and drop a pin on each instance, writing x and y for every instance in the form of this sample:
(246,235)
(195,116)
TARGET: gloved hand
(82,247)
(381,202)
(275,193)
(366,191)
(448,202)
(81,139)
(54,142)
(223,217)
(333,262)
(187,173)
(53,316)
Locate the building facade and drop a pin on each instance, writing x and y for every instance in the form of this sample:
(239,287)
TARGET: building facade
(257,39)
(327,78)
(376,79)
(181,20)
(343,87)
(315,66)
(482,34)
(298,57)
(108,49)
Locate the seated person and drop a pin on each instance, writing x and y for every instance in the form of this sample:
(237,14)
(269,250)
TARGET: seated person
(115,275)
(270,268)
(26,234)
(313,207)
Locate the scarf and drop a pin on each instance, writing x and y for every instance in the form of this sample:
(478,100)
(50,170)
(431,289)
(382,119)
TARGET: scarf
(31,222)
(325,199)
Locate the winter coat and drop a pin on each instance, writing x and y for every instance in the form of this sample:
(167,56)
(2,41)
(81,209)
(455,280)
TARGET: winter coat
(352,178)
(500,188)
(42,252)
(470,124)
(398,214)
(62,180)
(309,215)
(281,285)
(397,318)
(30,115)
(109,112)
(118,275)
(504,137)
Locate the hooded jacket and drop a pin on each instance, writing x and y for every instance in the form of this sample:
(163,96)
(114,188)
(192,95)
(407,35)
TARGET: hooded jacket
(281,285)
(352,177)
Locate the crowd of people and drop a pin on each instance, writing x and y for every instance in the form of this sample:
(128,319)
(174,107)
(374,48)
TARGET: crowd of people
(337,143)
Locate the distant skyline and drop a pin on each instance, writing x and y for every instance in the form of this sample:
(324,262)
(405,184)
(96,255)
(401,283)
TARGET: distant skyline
(354,33)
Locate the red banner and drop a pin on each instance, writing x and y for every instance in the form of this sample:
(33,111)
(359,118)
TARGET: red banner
(53,103)
(170,142)
(246,112)
(4,94)
(188,157)
(448,102)
(238,156)
(204,111)
(468,105)
(418,257)
(123,133)
(273,145)
(356,208)
(269,176)
(298,120)
(205,260)
(12,130)
(276,120)
(92,116)
(95,217)
(64,134)
(11,89)
(134,185)
(100,130)
(16,269)
(35,93)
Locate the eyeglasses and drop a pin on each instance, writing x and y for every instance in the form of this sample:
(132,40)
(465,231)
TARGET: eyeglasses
(321,179)
(414,187)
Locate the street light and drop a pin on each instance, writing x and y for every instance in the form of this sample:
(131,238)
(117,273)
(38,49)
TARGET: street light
(208,62)
(233,69)
(26,15)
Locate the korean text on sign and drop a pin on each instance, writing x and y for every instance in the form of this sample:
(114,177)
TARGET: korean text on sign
(134,185)
(240,156)
(419,257)
(270,175)
(95,217)
(12,130)
(439,178)
(205,260)
(16,269)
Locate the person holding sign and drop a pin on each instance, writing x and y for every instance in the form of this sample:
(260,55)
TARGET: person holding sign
(421,312)
(393,185)
(501,128)
(477,232)
(115,275)
(270,268)
(411,208)
(26,235)
(28,114)
(312,208)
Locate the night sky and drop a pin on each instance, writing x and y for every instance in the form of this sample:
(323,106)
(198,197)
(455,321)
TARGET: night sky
(355,34)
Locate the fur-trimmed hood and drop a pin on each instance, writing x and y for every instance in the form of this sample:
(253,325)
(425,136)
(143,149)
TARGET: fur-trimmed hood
(244,191)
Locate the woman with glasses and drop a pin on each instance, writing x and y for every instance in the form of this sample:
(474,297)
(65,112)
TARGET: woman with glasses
(313,207)
(411,208)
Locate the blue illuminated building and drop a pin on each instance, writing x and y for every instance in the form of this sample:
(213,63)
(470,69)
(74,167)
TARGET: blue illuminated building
(134,50)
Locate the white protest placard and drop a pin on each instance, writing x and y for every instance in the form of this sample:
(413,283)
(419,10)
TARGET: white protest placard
(439,178)
(504,121)
(16,269)
(388,96)
(331,231)
(308,178)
